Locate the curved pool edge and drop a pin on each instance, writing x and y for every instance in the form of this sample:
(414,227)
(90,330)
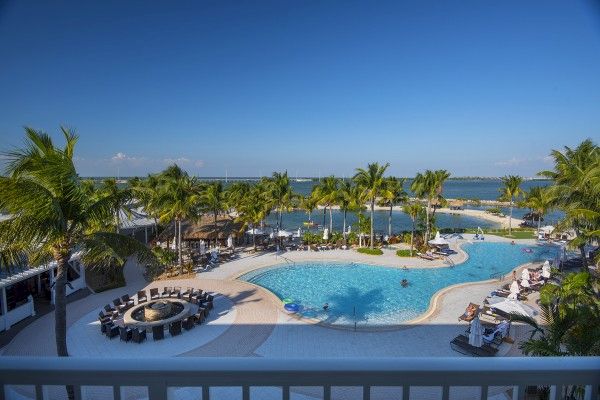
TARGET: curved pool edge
(432,309)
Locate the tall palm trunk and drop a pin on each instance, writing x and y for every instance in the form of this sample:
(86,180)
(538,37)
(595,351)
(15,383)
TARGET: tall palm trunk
(179,256)
(345,212)
(539,222)
(427,220)
(510,217)
(60,310)
(330,220)
(253,238)
(118,218)
(371,245)
(324,215)
(390,221)
(279,219)
(412,237)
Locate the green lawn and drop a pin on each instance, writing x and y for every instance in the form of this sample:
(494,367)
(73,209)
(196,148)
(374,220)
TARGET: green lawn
(518,233)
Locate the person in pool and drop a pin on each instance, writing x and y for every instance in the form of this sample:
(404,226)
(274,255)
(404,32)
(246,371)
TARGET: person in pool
(325,306)
(404,282)
(513,242)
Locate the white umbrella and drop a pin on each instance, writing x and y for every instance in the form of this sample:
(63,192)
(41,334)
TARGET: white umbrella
(349,228)
(283,233)
(514,290)
(546,270)
(514,306)
(202,247)
(548,229)
(230,241)
(525,274)
(525,283)
(438,240)
(255,231)
(325,234)
(476,333)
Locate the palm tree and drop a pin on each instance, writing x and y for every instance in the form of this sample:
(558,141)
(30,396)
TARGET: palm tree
(235,194)
(540,201)
(51,216)
(326,192)
(121,196)
(345,199)
(253,209)
(576,190)
(413,210)
(510,191)
(309,203)
(213,199)
(372,183)
(178,199)
(429,186)
(281,193)
(392,195)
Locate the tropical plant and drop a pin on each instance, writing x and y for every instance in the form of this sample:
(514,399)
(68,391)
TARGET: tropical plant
(326,193)
(413,210)
(510,191)
(51,217)
(345,199)
(121,197)
(576,191)
(213,199)
(540,201)
(254,208)
(392,195)
(281,194)
(372,183)
(308,203)
(370,251)
(429,186)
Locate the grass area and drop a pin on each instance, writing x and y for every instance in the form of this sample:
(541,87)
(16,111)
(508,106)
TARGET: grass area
(373,252)
(517,233)
(406,253)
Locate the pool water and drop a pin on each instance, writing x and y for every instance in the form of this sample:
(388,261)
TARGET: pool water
(372,295)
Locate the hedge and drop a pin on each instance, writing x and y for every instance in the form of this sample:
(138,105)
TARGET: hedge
(405,253)
(373,252)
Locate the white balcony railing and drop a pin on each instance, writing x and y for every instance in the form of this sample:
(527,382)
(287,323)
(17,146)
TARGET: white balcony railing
(159,376)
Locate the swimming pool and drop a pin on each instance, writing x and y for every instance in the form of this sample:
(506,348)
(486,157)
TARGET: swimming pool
(372,295)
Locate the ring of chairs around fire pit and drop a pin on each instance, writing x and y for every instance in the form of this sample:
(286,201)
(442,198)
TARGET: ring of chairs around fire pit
(111,317)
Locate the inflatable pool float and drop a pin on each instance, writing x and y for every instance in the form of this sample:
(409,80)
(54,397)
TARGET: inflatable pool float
(291,308)
(287,300)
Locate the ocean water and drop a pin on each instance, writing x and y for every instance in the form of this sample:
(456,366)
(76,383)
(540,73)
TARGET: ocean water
(372,295)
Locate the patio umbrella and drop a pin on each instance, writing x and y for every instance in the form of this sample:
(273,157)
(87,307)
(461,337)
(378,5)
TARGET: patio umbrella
(514,306)
(230,241)
(476,333)
(525,283)
(255,231)
(546,270)
(525,274)
(438,240)
(325,234)
(202,247)
(514,290)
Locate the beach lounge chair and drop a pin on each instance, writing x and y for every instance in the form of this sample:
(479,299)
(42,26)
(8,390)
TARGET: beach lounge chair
(154,294)
(495,335)
(470,312)
(124,334)
(166,292)
(138,335)
(461,345)
(175,328)
(426,257)
(158,332)
(141,296)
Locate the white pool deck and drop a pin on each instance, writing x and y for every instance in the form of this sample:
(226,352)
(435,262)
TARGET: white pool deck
(248,322)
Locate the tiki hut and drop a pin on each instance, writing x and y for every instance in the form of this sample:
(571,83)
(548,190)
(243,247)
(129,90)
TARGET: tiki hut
(456,204)
(205,229)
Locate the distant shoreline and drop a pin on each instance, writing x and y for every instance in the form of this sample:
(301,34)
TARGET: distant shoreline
(313,179)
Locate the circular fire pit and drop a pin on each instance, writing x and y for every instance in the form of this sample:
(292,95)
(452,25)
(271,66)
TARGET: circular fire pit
(157,312)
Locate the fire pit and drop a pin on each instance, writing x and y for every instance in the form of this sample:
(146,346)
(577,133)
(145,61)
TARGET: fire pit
(157,312)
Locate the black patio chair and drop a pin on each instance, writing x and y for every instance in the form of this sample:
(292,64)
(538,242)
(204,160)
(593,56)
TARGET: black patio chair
(141,296)
(127,300)
(124,333)
(138,335)
(175,328)
(166,292)
(188,291)
(209,305)
(103,318)
(119,306)
(158,332)
(188,323)
(176,292)
(154,295)
(109,309)
(199,316)
(112,331)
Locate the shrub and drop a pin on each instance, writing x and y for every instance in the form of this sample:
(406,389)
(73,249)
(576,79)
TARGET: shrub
(373,252)
(405,253)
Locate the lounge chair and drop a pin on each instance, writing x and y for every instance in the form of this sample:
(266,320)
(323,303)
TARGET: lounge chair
(158,332)
(125,333)
(112,331)
(496,334)
(470,312)
(188,323)
(461,345)
(138,335)
(141,296)
(426,257)
(175,328)
(154,294)
(166,292)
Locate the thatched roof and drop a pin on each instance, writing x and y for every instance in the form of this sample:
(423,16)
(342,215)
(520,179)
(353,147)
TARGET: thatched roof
(206,229)
(456,203)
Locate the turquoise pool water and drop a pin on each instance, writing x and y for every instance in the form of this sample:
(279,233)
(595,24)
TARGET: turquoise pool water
(372,295)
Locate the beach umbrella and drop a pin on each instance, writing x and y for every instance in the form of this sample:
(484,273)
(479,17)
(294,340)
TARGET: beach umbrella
(299,232)
(438,240)
(230,241)
(525,274)
(514,290)
(525,283)
(546,230)
(325,234)
(476,333)
(546,270)
(514,306)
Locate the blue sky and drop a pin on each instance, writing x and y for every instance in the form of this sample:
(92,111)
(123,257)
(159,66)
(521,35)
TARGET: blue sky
(476,87)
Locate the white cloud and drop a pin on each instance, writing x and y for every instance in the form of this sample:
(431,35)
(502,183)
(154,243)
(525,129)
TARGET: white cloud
(511,162)
(119,157)
(179,160)
(199,163)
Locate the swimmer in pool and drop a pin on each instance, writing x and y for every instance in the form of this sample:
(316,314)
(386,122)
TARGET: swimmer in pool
(325,306)
(404,282)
